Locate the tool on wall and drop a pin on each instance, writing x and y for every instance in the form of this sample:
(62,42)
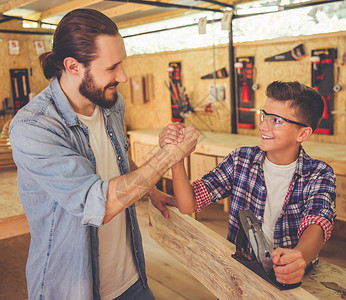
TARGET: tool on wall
(337,88)
(218,74)
(20,87)
(322,79)
(245,92)
(258,257)
(179,99)
(296,53)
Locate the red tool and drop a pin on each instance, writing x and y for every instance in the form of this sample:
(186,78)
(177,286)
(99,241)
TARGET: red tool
(245,93)
(325,112)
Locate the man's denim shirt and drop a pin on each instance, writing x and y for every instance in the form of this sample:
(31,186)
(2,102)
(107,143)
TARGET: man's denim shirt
(63,197)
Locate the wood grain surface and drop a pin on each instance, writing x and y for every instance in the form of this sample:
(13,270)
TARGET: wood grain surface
(208,257)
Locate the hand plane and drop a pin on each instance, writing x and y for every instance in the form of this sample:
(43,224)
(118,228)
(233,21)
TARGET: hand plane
(259,260)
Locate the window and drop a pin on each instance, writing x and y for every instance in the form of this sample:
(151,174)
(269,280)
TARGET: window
(294,22)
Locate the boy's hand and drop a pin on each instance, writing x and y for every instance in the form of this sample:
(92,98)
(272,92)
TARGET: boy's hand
(289,265)
(171,134)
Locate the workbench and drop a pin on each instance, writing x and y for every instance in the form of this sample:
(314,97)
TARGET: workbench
(14,238)
(207,256)
(212,147)
(12,218)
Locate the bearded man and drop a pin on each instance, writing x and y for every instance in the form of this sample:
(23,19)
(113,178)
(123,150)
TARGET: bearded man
(74,177)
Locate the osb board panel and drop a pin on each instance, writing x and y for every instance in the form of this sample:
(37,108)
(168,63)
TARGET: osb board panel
(26,60)
(199,62)
(157,112)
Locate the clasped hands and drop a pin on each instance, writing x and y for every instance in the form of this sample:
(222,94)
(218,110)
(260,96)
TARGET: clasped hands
(178,139)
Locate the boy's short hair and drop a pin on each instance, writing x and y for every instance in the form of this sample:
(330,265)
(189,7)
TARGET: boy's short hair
(306,101)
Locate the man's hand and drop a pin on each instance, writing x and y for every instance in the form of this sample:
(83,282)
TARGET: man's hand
(289,265)
(171,134)
(160,200)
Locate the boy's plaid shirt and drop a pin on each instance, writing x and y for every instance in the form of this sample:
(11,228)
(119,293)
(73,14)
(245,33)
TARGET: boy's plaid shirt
(310,198)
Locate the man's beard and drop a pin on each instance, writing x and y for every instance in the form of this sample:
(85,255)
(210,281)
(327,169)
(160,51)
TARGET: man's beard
(96,95)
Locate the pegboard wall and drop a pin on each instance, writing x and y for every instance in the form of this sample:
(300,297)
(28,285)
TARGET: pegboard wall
(198,62)
(27,58)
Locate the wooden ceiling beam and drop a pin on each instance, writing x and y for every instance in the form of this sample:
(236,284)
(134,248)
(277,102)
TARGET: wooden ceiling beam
(123,9)
(150,19)
(64,8)
(13,4)
(128,8)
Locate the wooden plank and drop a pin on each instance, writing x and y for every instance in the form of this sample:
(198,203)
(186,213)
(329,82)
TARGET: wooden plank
(208,257)
(164,270)
(151,18)
(63,8)
(13,226)
(161,16)
(14,253)
(341,197)
(149,87)
(14,4)
(324,272)
(162,292)
(124,9)
(137,90)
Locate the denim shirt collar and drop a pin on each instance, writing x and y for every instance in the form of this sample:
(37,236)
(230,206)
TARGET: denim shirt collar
(62,104)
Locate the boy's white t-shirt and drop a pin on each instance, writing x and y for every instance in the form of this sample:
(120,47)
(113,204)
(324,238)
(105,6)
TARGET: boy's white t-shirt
(118,270)
(277,179)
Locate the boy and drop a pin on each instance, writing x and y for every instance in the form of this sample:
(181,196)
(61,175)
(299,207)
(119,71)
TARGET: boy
(291,194)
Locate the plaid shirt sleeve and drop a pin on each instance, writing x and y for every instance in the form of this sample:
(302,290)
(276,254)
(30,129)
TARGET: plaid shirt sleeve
(326,225)
(320,208)
(215,185)
(201,194)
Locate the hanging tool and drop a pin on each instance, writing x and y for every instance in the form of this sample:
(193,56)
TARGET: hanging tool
(238,66)
(208,108)
(221,73)
(245,93)
(259,260)
(315,60)
(337,88)
(325,111)
(296,53)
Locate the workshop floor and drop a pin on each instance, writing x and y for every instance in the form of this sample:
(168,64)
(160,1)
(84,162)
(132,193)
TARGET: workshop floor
(167,278)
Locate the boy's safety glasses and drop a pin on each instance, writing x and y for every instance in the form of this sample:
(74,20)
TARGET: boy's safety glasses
(276,121)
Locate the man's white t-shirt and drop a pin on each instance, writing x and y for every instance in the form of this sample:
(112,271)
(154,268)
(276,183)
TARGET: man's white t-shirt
(277,179)
(118,270)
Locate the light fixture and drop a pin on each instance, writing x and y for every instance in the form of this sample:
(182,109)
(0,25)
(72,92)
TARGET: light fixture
(257,10)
